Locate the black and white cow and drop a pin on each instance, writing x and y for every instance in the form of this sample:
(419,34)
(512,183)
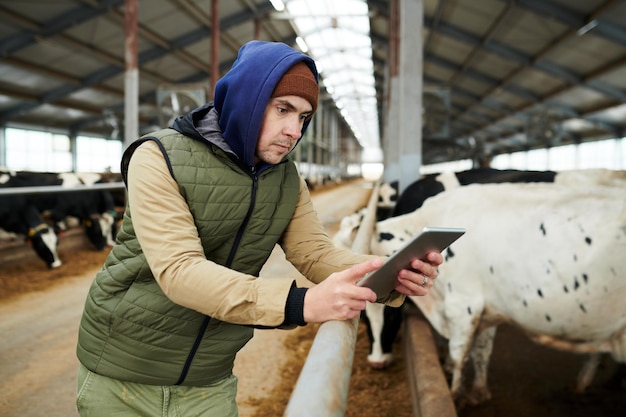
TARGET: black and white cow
(20,216)
(528,258)
(383,322)
(94,209)
(602,177)
(430,185)
(387,199)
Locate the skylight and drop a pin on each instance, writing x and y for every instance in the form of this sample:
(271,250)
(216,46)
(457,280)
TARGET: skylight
(337,35)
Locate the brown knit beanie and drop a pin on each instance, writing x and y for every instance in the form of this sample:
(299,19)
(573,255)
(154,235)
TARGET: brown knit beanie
(298,81)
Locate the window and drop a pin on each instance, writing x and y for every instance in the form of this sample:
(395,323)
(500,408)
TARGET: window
(31,150)
(609,154)
(98,154)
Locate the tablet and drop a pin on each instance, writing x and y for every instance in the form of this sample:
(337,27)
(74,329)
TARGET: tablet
(383,280)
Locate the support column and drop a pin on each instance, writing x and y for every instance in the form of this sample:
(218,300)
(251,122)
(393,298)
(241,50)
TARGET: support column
(215,45)
(72,136)
(131,77)
(403,136)
(334,151)
(319,129)
(257,29)
(3,146)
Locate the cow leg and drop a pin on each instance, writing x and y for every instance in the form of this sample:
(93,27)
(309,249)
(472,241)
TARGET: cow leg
(461,340)
(587,373)
(458,355)
(480,355)
(376,319)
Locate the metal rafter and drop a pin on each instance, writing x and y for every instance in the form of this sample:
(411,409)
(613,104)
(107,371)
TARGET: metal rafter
(105,73)
(536,62)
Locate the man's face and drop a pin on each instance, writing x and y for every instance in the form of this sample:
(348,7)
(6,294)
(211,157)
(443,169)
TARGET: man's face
(281,128)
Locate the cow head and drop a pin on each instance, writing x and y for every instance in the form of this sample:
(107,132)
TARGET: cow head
(388,194)
(44,241)
(348,228)
(101,229)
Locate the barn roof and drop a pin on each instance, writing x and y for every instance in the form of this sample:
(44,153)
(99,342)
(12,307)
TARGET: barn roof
(499,75)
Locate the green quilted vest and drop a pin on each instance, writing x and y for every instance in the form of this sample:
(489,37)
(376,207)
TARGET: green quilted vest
(130,330)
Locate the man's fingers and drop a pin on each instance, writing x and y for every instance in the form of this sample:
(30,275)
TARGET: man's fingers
(357,272)
(353,274)
(424,268)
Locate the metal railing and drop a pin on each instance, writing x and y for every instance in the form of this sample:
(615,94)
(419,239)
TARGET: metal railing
(430,394)
(60,188)
(326,372)
(323,384)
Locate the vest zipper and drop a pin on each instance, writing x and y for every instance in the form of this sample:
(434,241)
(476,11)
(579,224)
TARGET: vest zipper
(229,261)
(246,220)
(194,349)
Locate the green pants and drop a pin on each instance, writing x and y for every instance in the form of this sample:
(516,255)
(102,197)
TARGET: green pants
(99,396)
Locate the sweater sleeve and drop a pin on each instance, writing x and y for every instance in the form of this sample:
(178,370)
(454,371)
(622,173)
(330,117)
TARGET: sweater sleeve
(309,248)
(169,240)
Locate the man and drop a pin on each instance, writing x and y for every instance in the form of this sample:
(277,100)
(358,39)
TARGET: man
(208,199)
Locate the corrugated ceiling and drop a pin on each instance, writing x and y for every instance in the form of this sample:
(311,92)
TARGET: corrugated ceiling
(500,75)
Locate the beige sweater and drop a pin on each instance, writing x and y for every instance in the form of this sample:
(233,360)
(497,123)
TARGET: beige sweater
(169,240)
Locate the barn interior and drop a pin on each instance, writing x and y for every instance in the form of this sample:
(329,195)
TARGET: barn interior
(439,80)
(405,86)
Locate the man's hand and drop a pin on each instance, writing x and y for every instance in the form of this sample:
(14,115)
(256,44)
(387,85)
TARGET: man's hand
(420,278)
(338,297)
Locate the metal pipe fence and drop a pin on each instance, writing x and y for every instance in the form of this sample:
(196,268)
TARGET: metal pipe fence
(326,372)
(60,188)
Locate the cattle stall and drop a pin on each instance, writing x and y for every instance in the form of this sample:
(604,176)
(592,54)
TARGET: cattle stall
(571,185)
(40,207)
(328,366)
(527,379)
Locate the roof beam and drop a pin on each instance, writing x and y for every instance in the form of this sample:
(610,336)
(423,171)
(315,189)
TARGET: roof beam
(53,27)
(378,6)
(112,71)
(69,104)
(494,83)
(572,19)
(526,61)
(523,59)
(224,66)
(74,44)
(576,21)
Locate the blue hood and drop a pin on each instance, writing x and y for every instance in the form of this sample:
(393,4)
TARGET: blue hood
(243,93)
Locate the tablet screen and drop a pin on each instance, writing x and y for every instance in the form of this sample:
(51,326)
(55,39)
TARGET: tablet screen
(383,280)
